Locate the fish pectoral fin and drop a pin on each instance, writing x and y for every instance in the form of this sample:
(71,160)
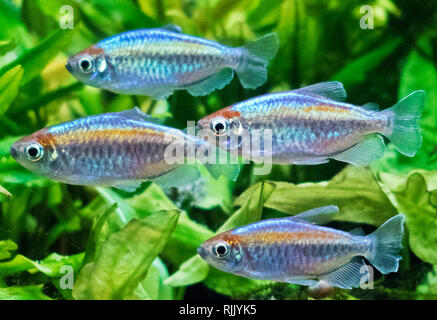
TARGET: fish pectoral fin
(363,152)
(179,176)
(302,282)
(320,215)
(329,89)
(136,114)
(349,275)
(172,28)
(128,186)
(311,161)
(216,81)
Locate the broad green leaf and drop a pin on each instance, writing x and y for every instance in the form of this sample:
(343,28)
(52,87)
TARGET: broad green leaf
(34,60)
(125,258)
(9,85)
(23,293)
(419,205)
(354,190)
(191,271)
(154,283)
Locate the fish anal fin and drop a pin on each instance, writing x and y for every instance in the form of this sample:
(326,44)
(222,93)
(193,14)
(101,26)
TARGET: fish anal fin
(302,282)
(320,215)
(311,161)
(130,186)
(329,89)
(363,152)
(213,82)
(179,176)
(347,276)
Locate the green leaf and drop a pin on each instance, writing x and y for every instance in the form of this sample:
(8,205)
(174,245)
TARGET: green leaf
(34,60)
(23,293)
(9,85)
(414,199)
(355,71)
(354,190)
(6,46)
(6,249)
(125,258)
(154,283)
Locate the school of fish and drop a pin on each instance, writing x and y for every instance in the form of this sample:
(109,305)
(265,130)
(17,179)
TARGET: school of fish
(305,126)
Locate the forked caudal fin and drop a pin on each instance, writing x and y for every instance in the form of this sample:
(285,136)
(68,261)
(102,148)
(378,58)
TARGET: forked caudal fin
(387,242)
(405,117)
(253,70)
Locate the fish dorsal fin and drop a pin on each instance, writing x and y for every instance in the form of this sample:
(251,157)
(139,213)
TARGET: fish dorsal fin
(137,114)
(357,232)
(329,89)
(371,106)
(173,28)
(320,215)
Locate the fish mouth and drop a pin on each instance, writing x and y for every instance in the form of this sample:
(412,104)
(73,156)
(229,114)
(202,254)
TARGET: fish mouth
(13,152)
(202,252)
(68,67)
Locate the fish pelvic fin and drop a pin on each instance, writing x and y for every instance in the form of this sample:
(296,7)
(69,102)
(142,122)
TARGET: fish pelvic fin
(387,242)
(216,81)
(252,72)
(405,117)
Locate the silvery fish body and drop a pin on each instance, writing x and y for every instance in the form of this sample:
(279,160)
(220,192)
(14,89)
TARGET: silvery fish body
(312,124)
(119,149)
(156,62)
(296,250)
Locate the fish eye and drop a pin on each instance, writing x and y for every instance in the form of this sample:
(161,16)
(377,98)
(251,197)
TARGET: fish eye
(221,249)
(220,126)
(34,152)
(86,64)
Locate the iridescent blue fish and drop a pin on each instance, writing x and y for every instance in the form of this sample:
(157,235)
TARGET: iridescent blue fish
(156,62)
(296,250)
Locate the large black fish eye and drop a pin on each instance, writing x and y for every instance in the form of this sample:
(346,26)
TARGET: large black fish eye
(220,126)
(34,152)
(86,64)
(221,249)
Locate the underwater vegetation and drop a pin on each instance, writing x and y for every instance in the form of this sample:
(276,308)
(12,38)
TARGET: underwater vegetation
(62,241)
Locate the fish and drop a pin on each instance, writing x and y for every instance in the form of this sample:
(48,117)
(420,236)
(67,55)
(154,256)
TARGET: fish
(313,124)
(118,149)
(299,250)
(156,62)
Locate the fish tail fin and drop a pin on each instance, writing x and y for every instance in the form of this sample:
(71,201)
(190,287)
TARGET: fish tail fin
(387,242)
(224,164)
(252,71)
(405,117)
